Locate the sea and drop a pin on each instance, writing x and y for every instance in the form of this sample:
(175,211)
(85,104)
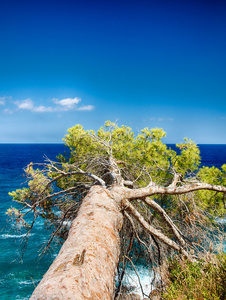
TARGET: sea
(20,274)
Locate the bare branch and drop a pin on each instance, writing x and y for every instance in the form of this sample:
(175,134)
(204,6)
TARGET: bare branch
(103,142)
(79,172)
(54,195)
(130,208)
(128,183)
(115,171)
(56,231)
(177,178)
(136,233)
(158,190)
(164,215)
(138,277)
(98,179)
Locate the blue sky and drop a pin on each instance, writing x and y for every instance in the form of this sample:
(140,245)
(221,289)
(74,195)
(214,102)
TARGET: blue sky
(143,63)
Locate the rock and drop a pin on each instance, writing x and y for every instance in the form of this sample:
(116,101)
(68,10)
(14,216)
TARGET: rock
(129,297)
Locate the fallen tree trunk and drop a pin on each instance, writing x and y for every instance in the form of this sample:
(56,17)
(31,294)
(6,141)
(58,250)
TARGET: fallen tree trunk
(86,265)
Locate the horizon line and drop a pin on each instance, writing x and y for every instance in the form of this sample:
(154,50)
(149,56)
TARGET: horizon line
(58,143)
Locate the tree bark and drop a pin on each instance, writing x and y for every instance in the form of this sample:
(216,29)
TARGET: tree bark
(86,265)
(154,189)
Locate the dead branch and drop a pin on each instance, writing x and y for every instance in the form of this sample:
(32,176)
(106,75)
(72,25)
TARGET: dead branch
(159,190)
(130,208)
(151,203)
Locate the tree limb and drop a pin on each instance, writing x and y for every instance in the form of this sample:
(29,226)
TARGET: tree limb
(130,208)
(151,203)
(177,178)
(158,190)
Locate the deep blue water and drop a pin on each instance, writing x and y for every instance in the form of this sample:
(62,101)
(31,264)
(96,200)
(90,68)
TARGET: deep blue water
(18,279)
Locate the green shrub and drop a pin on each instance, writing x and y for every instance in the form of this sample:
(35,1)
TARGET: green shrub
(203,280)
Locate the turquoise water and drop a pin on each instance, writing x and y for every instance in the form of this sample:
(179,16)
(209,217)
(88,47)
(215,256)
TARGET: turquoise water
(19,277)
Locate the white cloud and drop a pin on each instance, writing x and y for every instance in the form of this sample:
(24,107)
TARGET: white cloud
(86,107)
(25,104)
(67,103)
(28,104)
(43,108)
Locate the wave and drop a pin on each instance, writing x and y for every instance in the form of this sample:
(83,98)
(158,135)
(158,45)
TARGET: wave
(221,221)
(29,282)
(132,284)
(14,236)
(67,224)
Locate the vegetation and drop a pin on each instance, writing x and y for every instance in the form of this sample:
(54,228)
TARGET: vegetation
(201,280)
(162,202)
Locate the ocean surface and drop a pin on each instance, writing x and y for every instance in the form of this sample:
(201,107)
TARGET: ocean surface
(18,277)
